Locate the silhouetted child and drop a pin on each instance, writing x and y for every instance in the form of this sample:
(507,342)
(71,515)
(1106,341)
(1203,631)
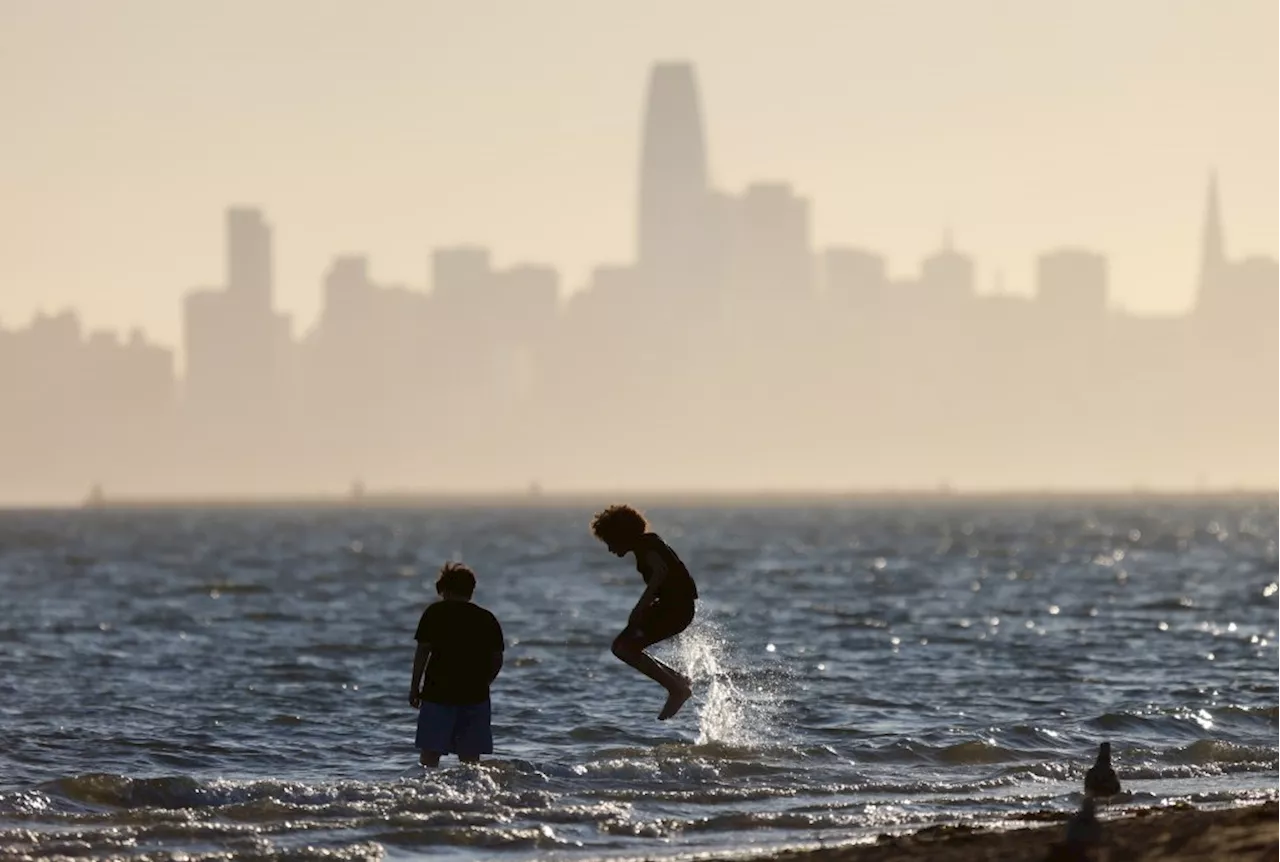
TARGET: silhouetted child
(664,610)
(459,655)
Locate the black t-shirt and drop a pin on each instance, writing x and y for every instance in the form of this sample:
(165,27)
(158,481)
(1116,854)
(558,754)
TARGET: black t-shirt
(462,638)
(653,555)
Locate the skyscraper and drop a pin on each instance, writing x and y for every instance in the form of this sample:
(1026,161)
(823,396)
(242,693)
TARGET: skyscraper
(237,347)
(248,259)
(1213,255)
(770,245)
(855,278)
(1071,285)
(947,275)
(675,242)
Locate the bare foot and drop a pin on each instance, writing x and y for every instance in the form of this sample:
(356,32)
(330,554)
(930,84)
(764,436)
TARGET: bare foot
(675,699)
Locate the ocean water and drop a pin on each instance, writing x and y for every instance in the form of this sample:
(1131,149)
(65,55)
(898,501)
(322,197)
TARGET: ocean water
(233,684)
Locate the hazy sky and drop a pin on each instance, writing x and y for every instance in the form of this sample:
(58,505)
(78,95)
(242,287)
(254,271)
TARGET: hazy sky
(392,126)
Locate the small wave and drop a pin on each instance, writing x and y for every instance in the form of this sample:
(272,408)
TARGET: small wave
(1183,721)
(968,752)
(976,753)
(1178,603)
(1153,724)
(228,588)
(463,789)
(53,848)
(791,820)
(1055,770)
(706,795)
(1221,752)
(594,733)
(120,791)
(541,837)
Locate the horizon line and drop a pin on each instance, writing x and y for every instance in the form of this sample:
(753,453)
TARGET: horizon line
(409,499)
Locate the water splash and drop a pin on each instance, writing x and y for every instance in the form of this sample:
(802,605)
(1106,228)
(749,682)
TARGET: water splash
(739,707)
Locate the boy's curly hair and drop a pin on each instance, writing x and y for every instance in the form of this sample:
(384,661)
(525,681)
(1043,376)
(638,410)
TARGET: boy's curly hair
(618,522)
(457,579)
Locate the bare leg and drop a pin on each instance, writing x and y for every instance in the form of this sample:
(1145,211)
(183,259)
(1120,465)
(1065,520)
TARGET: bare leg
(679,688)
(429,758)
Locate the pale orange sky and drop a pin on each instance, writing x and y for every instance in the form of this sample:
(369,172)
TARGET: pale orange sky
(392,126)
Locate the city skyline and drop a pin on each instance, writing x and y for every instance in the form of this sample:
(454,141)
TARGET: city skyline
(730,352)
(904,272)
(667,75)
(1017,126)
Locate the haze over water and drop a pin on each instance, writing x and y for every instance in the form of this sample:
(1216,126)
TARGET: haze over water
(232,684)
(877,246)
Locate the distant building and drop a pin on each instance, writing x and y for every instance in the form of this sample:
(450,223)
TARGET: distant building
(947,276)
(770,251)
(1071,285)
(675,230)
(854,278)
(460,273)
(249,270)
(527,296)
(1210,285)
(348,295)
(237,346)
(141,372)
(1253,288)
(1232,297)
(212,367)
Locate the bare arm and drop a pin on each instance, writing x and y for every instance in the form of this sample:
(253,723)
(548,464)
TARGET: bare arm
(420,657)
(496,656)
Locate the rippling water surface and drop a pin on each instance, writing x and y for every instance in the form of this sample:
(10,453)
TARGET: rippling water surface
(232,684)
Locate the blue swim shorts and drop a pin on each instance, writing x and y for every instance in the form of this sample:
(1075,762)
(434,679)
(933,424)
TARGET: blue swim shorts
(450,728)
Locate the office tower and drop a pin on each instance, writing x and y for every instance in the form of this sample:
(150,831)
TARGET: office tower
(461,274)
(348,295)
(855,279)
(236,345)
(1071,285)
(769,248)
(249,259)
(1253,297)
(674,237)
(211,375)
(947,275)
(527,297)
(1213,255)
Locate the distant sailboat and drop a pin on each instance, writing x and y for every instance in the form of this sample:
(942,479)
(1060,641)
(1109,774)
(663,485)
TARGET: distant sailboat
(96,498)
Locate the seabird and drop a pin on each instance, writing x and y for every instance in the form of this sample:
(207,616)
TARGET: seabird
(1101,779)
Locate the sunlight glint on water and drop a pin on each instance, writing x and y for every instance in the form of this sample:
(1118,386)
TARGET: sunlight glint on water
(196,686)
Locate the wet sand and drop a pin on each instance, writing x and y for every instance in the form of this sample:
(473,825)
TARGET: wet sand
(1170,835)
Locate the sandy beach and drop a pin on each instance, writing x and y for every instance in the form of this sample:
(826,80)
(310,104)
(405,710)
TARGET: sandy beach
(1181,834)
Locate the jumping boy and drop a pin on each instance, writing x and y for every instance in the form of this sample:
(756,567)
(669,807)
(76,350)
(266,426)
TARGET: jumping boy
(459,655)
(664,610)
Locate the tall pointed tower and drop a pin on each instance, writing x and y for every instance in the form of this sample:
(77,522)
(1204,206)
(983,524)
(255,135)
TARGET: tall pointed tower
(1213,255)
(674,201)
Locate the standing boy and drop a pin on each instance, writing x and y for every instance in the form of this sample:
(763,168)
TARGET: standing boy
(459,655)
(665,608)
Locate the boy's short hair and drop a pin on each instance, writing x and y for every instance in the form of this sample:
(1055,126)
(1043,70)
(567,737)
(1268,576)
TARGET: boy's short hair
(457,579)
(618,522)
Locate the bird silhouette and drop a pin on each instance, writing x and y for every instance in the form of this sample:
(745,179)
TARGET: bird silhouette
(1101,779)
